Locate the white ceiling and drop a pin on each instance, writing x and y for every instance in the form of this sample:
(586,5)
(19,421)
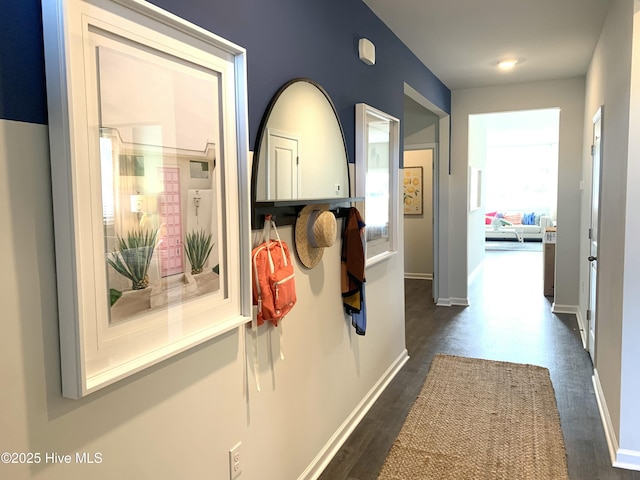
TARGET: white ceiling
(461,41)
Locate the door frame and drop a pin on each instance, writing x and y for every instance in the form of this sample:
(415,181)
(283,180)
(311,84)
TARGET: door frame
(440,283)
(596,188)
(434,198)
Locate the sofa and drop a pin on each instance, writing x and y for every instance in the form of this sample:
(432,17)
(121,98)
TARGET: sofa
(522,226)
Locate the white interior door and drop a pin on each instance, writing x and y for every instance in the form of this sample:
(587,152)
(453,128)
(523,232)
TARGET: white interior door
(596,158)
(283,182)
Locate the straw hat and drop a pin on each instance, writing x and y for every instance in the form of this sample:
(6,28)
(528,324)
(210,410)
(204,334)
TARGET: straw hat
(315,230)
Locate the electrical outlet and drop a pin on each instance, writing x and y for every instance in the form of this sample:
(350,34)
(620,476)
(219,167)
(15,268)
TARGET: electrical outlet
(235,465)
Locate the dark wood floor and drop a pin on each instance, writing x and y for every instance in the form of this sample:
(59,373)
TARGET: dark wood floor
(509,319)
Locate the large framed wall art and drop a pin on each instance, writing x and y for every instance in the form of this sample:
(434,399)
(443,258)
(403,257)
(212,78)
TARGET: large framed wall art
(377,164)
(148,134)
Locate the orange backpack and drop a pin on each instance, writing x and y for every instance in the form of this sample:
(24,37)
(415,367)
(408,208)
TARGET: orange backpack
(274,289)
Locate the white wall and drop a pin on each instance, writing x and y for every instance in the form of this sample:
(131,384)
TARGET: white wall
(608,84)
(566,94)
(179,418)
(630,375)
(475,220)
(612,81)
(420,126)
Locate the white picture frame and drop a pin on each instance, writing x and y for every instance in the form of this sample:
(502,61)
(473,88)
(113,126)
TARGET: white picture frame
(121,145)
(377,166)
(413,190)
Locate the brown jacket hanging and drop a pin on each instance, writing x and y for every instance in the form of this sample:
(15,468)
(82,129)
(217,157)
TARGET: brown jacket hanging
(352,260)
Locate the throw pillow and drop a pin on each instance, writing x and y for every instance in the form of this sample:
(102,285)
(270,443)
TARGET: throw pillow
(514,218)
(488,217)
(529,218)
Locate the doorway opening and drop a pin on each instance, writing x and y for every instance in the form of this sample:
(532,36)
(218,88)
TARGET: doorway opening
(418,210)
(517,155)
(419,183)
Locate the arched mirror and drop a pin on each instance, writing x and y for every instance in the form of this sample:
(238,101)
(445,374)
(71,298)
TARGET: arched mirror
(300,156)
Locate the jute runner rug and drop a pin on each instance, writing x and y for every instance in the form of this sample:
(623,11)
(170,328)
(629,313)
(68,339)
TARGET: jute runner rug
(480,419)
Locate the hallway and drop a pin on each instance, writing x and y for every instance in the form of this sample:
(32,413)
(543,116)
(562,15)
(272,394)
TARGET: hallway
(508,319)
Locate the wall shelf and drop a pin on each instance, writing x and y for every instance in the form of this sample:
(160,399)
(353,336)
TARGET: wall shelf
(285,212)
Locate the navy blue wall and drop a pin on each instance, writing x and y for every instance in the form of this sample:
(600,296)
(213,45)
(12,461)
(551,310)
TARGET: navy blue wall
(284,39)
(22,90)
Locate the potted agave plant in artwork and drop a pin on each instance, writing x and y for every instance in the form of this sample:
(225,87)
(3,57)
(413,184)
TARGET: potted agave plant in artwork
(133,255)
(198,246)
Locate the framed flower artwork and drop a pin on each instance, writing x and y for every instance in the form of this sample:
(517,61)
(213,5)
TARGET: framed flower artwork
(412,190)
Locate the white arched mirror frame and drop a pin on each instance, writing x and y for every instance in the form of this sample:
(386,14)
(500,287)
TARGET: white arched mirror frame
(302,136)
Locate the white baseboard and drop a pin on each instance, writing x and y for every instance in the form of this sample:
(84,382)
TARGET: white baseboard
(582,327)
(627,459)
(558,308)
(462,302)
(609,432)
(573,310)
(448,302)
(419,276)
(620,457)
(326,454)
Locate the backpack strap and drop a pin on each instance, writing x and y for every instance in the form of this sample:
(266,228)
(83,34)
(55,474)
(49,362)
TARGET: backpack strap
(275,230)
(266,238)
(286,263)
(268,222)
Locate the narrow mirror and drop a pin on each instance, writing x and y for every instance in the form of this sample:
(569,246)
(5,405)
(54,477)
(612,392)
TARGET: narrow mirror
(377,163)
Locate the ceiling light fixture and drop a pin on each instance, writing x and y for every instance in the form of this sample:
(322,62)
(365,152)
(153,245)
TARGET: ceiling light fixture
(507,64)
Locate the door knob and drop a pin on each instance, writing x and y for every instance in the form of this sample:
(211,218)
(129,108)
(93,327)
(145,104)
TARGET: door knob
(591,258)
